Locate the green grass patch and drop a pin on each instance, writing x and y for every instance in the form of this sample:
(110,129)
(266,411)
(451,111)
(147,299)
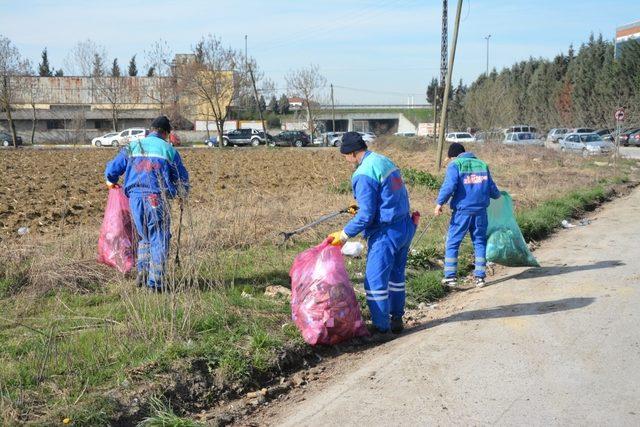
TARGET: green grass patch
(425,287)
(421,178)
(343,187)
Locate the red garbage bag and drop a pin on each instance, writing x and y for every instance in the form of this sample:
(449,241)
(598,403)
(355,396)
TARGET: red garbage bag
(323,302)
(116,245)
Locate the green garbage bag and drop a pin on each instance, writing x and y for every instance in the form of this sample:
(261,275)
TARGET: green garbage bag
(505,244)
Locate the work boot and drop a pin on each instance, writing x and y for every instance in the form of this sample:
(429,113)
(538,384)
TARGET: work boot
(450,283)
(397,325)
(141,278)
(480,282)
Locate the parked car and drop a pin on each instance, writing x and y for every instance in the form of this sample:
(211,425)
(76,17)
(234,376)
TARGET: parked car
(588,144)
(556,134)
(7,139)
(212,141)
(332,139)
(291,138)
(128,135)
(520,128)
(459,137)
(407,134)
(523,138)
(174,139)
(368,136)
(606,134)
(626,137)
(105,139)
(490,136)
(251,137)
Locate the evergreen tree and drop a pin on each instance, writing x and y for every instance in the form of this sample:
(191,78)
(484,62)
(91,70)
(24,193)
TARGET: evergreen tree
(98,66)
(151,72)
(199,52)
(262,104)
(59,73)
(284,104)
(43,67)
(133,68)
(115,68)
(273,105)
(431,89)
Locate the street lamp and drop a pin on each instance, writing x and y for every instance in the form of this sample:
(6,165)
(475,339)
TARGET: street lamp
(487,39)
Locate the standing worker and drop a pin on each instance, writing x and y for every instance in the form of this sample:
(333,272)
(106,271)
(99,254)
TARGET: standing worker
(384,219)
(153,173)
(469,185)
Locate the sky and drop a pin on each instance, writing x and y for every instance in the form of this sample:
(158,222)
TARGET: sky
(373,52)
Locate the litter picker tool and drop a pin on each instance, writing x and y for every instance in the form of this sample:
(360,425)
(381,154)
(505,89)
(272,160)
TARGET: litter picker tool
(350,210)
(424,230)
(179,233)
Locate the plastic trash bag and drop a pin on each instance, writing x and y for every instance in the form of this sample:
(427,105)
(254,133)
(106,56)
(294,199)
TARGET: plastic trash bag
(116,244)
(505,244)
(323,302)
(352,249)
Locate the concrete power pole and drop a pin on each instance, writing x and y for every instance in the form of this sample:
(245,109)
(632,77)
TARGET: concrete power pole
(447,88)
(487,39)
(333,111)
(255,93)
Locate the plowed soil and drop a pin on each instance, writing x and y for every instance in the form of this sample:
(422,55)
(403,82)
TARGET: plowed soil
(248,194)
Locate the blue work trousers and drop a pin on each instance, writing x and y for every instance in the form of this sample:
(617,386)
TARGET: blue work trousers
(476,225)
(151,217)
(384,281)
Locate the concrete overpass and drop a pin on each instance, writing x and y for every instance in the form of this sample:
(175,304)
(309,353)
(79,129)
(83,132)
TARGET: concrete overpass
(362,121)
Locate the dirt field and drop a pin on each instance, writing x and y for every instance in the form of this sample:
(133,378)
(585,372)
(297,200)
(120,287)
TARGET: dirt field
(248,195)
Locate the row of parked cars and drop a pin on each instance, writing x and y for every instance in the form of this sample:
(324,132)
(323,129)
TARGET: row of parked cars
(287,138)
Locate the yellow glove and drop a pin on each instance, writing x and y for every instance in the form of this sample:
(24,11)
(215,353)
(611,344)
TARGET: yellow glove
(353,209)
(339,238)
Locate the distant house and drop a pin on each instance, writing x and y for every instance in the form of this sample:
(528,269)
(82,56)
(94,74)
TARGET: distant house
(296,103)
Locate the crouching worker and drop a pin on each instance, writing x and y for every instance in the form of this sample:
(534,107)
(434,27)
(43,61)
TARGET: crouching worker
(468,184)
(384,219)
(153,173)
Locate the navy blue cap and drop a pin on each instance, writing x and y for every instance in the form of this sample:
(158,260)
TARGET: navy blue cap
(455,150)
(351,142)
(162,123)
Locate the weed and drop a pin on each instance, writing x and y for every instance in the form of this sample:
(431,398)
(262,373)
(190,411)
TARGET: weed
(343,187)
(163,416)
(421,178)
(425,287)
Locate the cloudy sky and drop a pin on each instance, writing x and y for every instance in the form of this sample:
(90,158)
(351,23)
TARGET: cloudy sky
(383,51)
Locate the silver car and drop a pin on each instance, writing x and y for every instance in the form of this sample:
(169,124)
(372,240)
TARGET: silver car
(588,144)
(522,138)
(556,134)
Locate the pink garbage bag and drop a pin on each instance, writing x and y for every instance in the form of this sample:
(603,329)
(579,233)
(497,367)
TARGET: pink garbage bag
(116,244)
(323,302)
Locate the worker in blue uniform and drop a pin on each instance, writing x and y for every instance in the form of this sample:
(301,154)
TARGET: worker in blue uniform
(384,219)
(153,174)
(469,185)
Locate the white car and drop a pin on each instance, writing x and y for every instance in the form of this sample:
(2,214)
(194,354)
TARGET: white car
(368,136)
(459,137)
(407,134)
(587,144)
(106,139)
(116,139)
(522,138)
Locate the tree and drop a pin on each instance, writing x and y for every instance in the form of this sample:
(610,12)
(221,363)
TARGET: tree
(133,68)
(12,67)
(273,105)
(151,72)
(43,67)
(163,89)
(262,104)
(431,90)
(59,73)
(86,58)
(115,68)
(283,104)
(306,82)
(212,77)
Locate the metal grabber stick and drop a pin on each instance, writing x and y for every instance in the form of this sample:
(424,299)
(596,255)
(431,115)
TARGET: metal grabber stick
(288,234)
(179,233)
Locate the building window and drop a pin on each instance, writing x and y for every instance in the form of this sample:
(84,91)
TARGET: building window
(55,124)
(99,124)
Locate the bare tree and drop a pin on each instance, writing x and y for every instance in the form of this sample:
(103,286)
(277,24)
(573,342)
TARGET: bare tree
(82,59)
(307,83)
(163,90)
(12,66)
(212,77)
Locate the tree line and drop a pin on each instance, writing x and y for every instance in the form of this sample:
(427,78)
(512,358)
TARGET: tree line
(570,90)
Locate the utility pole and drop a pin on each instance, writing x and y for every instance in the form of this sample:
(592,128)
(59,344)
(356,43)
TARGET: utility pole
(487,39)
(435,112)
(333,111)
(443,43)
(255,92)
(447,88)
(246,57)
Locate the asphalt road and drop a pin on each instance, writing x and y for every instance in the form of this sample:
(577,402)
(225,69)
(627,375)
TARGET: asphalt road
(557,345)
